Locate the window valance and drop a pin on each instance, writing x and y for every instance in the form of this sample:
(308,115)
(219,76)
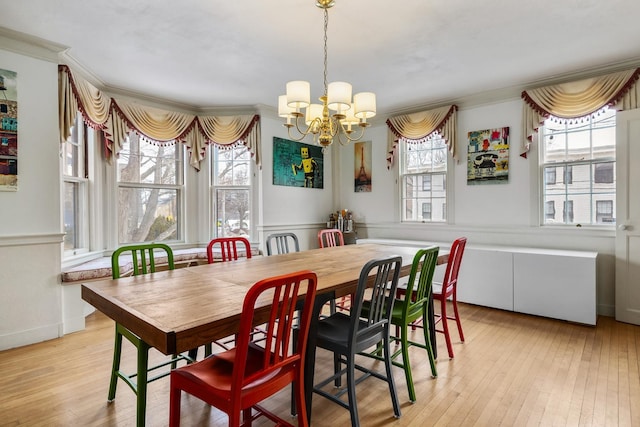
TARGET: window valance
(118,117)
(417,127)
(577,100)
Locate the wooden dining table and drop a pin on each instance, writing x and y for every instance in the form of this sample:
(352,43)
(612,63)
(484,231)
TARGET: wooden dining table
(178,310)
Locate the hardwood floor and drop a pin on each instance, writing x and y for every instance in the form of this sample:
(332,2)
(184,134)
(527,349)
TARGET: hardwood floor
(513,370)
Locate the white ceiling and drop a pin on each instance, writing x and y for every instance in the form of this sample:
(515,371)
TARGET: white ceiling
(208,54)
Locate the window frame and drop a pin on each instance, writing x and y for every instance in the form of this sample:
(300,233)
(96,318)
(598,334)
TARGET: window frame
(215,187)
(447,183)
(598,153)
(179,187)
(80,180)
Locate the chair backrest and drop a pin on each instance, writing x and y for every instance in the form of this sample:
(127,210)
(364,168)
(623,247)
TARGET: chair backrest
(283,292)
(450,280)
(420,279)
(284,243)
(330,237)
(143,258)
(366,328)
(228,248)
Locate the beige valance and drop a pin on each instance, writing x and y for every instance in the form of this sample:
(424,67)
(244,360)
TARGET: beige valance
(118,117)
(577,100)
(417,127)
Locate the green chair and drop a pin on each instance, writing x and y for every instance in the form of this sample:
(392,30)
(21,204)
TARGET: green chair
(143,261)
(414,305)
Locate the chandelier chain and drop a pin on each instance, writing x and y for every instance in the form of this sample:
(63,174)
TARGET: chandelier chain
(326,25)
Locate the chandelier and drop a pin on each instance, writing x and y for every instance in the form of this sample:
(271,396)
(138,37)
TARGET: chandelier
(318,121)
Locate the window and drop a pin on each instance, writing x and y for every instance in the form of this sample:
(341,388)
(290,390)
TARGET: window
(150,189)
(567,211)
(231,191)
(423,173)
(604,211)
(75,190)
(550,210)
(426,211)
(583,151)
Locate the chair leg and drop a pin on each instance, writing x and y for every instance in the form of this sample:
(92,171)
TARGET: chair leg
(336,368)
(445,326)
(117,352)
(458,322)
(174,407)
(404,342)
(429,344)
(351,391)
(390,381)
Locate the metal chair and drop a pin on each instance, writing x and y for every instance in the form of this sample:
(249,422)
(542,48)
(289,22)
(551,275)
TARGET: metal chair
(143,261)
(448,289)
(228,248)
(236,381)
(330,237)
(350,335)
(416,294)
(284,243)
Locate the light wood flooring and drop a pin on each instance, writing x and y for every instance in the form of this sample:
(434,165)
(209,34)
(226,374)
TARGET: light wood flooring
(513,370)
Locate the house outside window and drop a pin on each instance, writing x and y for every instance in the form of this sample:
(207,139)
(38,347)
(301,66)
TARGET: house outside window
(550,209)
(423,170)
(76,212)
(583,151)
(604,212)
(150,191)
(231,191)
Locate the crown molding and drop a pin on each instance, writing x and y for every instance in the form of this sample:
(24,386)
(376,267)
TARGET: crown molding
(29,45)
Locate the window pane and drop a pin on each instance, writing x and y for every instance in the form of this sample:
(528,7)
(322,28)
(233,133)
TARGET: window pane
(70,215)
(232,212)
(143,162)
(148,214)
(232,166)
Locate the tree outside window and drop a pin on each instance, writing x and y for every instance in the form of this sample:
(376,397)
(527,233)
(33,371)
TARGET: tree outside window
(231,191)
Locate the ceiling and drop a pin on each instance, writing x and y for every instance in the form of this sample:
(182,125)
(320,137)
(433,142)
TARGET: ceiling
(208,54)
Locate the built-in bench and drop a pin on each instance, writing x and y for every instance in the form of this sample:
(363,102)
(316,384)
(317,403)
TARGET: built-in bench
(554,283)
(75,309)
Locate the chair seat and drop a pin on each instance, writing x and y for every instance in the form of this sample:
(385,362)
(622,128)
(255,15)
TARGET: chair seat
(333,333)
(214,375)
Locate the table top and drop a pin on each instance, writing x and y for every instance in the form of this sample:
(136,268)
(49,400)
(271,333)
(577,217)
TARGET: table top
(181,309)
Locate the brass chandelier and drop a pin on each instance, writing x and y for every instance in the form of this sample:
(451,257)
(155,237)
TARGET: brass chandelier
(336,97)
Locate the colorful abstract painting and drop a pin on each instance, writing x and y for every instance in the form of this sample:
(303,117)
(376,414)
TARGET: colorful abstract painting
(488,156)
(8,131)
(297,165)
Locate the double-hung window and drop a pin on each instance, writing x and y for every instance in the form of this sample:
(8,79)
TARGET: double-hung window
(423,177)
(150,191)
(75,190)
(231,191)
(583,153)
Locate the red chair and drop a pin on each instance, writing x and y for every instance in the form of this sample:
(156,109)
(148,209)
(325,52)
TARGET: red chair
(330,237)
(228,248)
(448,289)
(234,386)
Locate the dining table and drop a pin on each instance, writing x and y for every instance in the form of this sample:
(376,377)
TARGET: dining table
(178,310)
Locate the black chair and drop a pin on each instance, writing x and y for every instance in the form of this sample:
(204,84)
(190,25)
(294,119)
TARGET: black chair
(284,243)
(349,335)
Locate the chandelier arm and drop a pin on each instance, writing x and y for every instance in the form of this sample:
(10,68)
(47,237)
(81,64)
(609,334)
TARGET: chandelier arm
(348,135)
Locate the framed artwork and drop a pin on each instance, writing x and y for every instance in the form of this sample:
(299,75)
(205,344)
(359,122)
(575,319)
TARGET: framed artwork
(8,131)
(296,164)
(488,156)
(362,166)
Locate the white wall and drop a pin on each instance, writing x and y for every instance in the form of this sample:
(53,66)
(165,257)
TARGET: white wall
(500,214)
(30,223)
